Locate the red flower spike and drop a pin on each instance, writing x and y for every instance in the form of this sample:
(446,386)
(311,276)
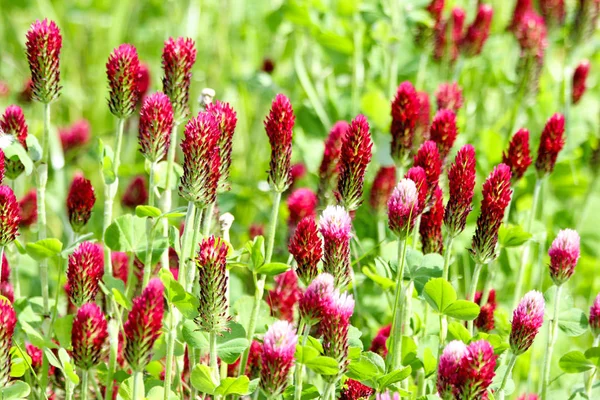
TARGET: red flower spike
(155,126)
(211,262)
(43,54)
(403,207)
(307,249)
(80,201)
(594,318)
(354,390)
(458,23)
(28,209)
(136,193)
(75,136)
(440,41)
(9,216)
(13,123)
(36,355)
(428,158)
(378,345)
(5,271)
(564,254)
(443,131)
(382,188)
(335,326)
(282,299)
(120,264)
(405,114)
(85,270)
(2,167)
(143,82)
(518,157)
(89,336)
(226,118)
(254,360)
(478,32)
(551,143)
(579,78)
(316,299)
(527,320)
(461,181)
(8,320)
(521,8)
(201,161)
(279,126)
(122,70)
(448,380)
(144,325)
(530,396)
(418,176)
(449,97)
(496,197)
(553,11)
(435,8)
(431,225)
(423,121)
(256,230)
(7,290)
(335,226)
(178,58)
(485,321)
(279,346)
(531,34)
(298,172)
(301,203)
(330,166)
(476,370)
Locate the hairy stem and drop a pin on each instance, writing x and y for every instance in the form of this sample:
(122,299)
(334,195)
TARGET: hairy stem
(473,289)
(137,378)
(84,384)
(447,256)
(167,197)
(303,329)
(208,218)
(550,347)
(511,365)
(214,368)
(395,353)
(113,337)
(149,230)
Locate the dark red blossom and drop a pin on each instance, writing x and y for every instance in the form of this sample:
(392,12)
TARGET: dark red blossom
(226,118)
(120,265)
(424,120)
(9,216)
(89,336)
(178,58)
(279,346)
(354,390)
(43,54)
(476,370)
(75,136)
(418,176)
(268,66)
(256,230)
(298,172)
(329,168)
(155,126)
(85,270)
(461,183)
(405,114)
(335,226)
(13,123)
(143,82)
(478,32)
(431,225)
(443,131)
(8,320)
(378,345)
(551,143)
(28,209)
(518,156)
(579,78)
(428,158)
(301,203)
(335,326)
(449,96)
(307,249)
(122,70)
(80,201)
(485,320)
(435,8)
(282,299)
(136,193)
(564,254)
(521,7)
(382,188)
(211,263)
(279,126)
(316,299)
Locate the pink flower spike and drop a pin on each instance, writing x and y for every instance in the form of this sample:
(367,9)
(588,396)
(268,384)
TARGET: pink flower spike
(461,182)
(13,123)
(335,226)
(594,319)
(403,207)
(579,81)
(8,320)
(553,11)
(418,176)
(527,320)
(382,188)
(80,201)
(485,320)
(330,166)
(136,193)
(279,346)
(282,299)
(431,225)
(443,131)
(448,384)
(178,58)
(89,336)
(123,69)
(449,97)
(531,396)
(85,270)
(10,217)
(301,203)
(564,254)
(43,54)
(423,121)
(226,118)
(521,7)
(75,136)
(518,157)
(279,126)
(428,158)
(387,396)
(316,299)
(478,32)
(28,209)
(155,126)
(335,325)
(405,114)
(476,370)
(307,249)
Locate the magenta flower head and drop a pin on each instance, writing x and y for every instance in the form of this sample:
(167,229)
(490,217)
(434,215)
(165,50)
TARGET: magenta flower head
(527,320)
(435,9)
(316,299)
(89,336)
(136,193)
(428,158)
(213,279)
(579,77)
(461,181)
(594,319)
(329,168)
(28,209)
(518,157)
(120,265)
(496,196)
(75,136)
(43,54)
(405,114)
(551,143)
(301,203)
(530,396)
(382,188)
(10,216)
(282,299)
(485,320)
(306,246)
(279,126)
(532,34)
(418,176)
(144,325)
(155,126)
(226,120)
(431,225)
(449,97)
(86,267)
(354,159)
(123,69)
(448,384)
(178,58)
(387,396)
(478,32)
(201,161)
(335,226)
(423,121)
(379,342)
(80,201)
(521,7)
(335,325)
(354,390)
(143,80)
(564,254)
(279,346)
(4,269)
(553,11)
(403,207)
(443,131)
(2,167)
(13,123)
(476,370)
(8,320)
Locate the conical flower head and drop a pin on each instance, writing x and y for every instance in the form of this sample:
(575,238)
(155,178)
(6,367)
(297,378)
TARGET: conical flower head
(354,390)
(279,126)
(428,158)
(403,208)
(518,156)
(418,176)
(143,80)
(5,269)
(478,32)
(122,70)
(43,54)
(496,197)
(201,161)
(431,225)
(10,217)
(8,320)
(136,193)
(211,262)
(334,327)
(306,246)
(330,166)
(382,188)
(301,203)
(461,182)
(449,97)
(354,159)
(76,136)
(86,267)
(527,320)
(424,120)
(485,320)
(564,254)
(551,143)
(144,325)
(282,299)
(335,226)
(553,11)
(448,384)
(379,342)
(80,201)
(521,7)
(579,78)
(532,34)
(226,118)
(13,123)
(594,319)
(89,336)
(317,299)
(443,131)
(155,126)
(178,58)
(476,370)
(279,346)
(28,209)
(405,114)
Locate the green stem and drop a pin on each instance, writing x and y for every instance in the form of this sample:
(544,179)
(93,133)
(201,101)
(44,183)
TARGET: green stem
(188,228)
(380,230)
(552,327)
(473,289)
(167,197)
(447,255)
(149,230)
(68,390)
(303,329)
(137,378)
(84,384)
(214,368)
(329,391)
(208,218)
(417,227)
(511,364)
(152,184)
(193,361)
(423,60)
(113,337)
(170,351)
(41,201)
(589,380)
(395,353)
(191,267)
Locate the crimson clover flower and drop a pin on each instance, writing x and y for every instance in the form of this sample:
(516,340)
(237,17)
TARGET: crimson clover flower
(279,126)
(431,225)
(307,249)
(89,336)
(282,299)
(301,203)
(8,320)
(518,156)
(478,32)
(594,318)
(449,97)
(316,299)
(279,346)
(579,79)
(330,165)
(564,254)
(461,182)
(43,55)
(211,262)
(10,216)
(443,131)
(403,207)
(405,114)
(13,123)
(80,201)
(122,70)
(178,58)
(226,118)
(335,226)
(85,270)
(551,143)
(382,188)
(527,320)
(155,126)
